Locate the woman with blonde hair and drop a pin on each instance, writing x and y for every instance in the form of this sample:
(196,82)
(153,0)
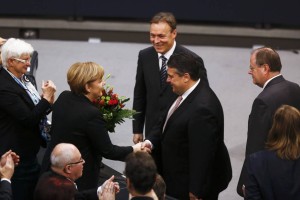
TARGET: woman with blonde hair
(78,121)
(274,173)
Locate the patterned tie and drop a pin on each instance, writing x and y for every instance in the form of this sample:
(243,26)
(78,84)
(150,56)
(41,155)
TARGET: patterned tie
(163,71)
(177,103)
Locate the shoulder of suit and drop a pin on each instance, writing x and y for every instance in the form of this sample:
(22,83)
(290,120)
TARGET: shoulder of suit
(148,50)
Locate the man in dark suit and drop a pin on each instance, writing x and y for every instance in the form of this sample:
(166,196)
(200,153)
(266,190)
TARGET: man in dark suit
(151,93)
(7,167)
(195,160)
(265,67)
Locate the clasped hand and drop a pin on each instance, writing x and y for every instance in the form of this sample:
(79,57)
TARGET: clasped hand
(141,146)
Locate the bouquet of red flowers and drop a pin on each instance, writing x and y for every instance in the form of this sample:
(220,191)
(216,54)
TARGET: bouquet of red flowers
(112,108)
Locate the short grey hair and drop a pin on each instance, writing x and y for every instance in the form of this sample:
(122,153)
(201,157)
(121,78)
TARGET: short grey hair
(14,48)
(62,154)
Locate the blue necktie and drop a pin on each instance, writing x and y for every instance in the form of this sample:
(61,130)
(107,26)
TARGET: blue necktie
(163,71)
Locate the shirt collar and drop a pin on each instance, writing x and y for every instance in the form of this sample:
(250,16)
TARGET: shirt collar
(266,83)
(168,53)
(189,91)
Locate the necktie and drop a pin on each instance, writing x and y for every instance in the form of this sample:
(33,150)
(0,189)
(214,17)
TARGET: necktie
(177,103)
(163,71)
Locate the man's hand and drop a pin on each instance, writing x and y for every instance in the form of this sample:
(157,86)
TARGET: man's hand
(139,147)
(7,165)
(108,192)
(108,189)
(193,197)
(146,145)
(137,137)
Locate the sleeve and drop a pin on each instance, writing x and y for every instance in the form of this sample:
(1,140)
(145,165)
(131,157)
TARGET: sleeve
(5,190)
(203,136)
(101,142)
(139,98)
(86,195)
(259,124)
(252,191)
(15,105)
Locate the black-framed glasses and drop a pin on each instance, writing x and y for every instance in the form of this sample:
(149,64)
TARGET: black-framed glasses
(75,163)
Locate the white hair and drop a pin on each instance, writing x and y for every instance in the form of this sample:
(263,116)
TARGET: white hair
(63,154)
(14,48)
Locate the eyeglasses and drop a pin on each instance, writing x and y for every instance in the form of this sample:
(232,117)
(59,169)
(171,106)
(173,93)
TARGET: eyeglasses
(22,60)
(75,163)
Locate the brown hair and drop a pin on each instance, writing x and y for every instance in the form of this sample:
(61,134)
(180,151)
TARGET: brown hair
(165,17)
(159,187)
(80,74)
(267,55)
(284,136)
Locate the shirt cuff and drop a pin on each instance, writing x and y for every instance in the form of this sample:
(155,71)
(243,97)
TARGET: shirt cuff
(99,190)
(148,142)
(5,179)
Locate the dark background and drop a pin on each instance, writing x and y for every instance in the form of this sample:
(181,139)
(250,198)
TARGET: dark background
(255,12)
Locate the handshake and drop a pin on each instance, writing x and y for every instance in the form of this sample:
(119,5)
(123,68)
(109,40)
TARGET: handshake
(145,146)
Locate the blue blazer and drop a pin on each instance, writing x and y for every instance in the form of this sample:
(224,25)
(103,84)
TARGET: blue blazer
(270,177)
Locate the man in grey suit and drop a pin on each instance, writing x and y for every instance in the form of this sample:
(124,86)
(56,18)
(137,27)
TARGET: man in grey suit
(151,93)
(265,67)
(190,136)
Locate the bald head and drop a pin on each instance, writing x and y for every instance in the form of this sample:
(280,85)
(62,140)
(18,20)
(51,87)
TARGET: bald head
(63,154)
(66,160)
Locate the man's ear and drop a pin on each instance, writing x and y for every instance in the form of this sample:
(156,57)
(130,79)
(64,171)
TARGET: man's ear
(266,68)
(186,77)
(67,169)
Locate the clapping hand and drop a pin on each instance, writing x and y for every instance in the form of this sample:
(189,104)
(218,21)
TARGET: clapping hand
(109,189)
(48,89)
(7,164)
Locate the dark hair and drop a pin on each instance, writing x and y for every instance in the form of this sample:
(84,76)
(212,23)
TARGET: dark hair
(141,171)
(159,187)
(186,63)
(165,17)
(267,55)
(284,136)
(55,187)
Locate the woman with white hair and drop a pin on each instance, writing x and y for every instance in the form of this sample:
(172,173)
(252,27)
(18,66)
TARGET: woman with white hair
(22,115)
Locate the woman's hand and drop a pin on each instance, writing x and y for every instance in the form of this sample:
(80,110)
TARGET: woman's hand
(49,90)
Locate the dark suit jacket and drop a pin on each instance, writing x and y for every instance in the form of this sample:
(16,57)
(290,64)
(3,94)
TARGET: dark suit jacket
(149,98)
(77,121)
(5,190)
(277,92)
(141,198)
(83,195)
(270,177)
(19,119)
(194,156)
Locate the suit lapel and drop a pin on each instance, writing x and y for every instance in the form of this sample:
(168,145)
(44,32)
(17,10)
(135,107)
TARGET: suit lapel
(12,83)
(184,105)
